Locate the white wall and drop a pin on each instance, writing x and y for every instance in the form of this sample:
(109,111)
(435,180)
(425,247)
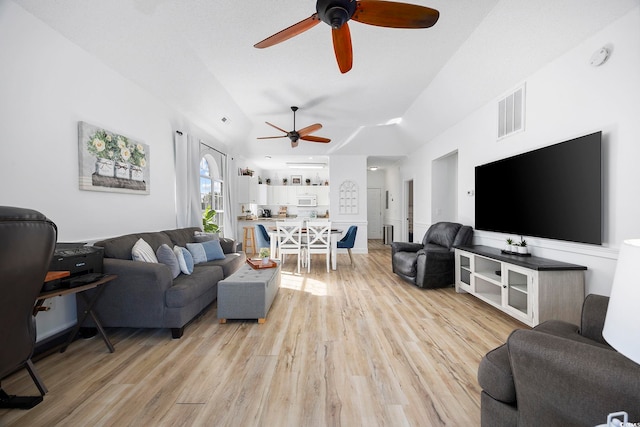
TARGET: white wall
(565,99)
(47,85)
(350,168)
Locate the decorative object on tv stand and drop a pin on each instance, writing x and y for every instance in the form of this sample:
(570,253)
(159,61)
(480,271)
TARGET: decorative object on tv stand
(509,247)
(522,247)
(284,181)
(111,162)
(296,179)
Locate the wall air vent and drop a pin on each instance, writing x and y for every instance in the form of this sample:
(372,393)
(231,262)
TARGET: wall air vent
(511,113)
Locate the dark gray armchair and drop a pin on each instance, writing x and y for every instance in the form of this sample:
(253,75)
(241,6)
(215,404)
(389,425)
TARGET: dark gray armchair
(559,374)
(430,264)
(27,242)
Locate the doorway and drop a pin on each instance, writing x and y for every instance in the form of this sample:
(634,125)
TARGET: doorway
(374,213)
(408,189)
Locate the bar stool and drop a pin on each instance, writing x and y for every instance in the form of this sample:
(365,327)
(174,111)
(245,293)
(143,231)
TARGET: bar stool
(249,240)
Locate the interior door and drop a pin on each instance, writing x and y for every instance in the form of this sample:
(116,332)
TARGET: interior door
(374,213)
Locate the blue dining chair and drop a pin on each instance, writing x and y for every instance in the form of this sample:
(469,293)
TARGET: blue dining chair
(262,236)
(348,241)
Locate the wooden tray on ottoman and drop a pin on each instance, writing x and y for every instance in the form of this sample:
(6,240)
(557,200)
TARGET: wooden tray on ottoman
(257,263)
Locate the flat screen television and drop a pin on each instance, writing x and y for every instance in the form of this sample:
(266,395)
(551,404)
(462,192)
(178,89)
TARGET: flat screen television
(553,192)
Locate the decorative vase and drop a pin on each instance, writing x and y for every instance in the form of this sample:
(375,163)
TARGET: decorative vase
(122,170)
(104,167)
(265,261)
(522,249)
(136,173)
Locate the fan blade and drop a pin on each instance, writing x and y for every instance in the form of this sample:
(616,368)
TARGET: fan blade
(287,33)
(309,129)
(313,138)
(271,137)
(342,47)
(274,126)
(395,15)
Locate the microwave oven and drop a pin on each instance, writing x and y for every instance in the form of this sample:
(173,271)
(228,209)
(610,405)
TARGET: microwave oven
(307,200)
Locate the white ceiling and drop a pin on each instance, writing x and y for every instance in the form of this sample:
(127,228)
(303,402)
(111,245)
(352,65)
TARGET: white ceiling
(198,57)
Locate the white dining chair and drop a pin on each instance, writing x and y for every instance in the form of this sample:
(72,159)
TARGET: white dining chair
(289,239)
(318,241)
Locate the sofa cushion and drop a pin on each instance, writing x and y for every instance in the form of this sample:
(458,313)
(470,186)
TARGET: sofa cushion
(442,233)
(186,289)
(185,260)
(120,247)
(207,251)
(229,264)
(181,236)
(167,257)
(141,251)
(200,237)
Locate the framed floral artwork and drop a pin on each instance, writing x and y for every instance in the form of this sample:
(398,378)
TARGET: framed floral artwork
(296,179)
(111,162)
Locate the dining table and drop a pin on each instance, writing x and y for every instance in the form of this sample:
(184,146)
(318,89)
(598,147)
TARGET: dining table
(335,236)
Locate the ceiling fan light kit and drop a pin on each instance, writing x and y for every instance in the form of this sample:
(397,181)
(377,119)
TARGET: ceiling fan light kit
(336,13)
(295,135)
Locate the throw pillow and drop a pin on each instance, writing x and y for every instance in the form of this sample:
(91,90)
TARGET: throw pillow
(185,260)
(207,251)
(213,249)
(201,237)
(197,252)
(167,257)
(142,251)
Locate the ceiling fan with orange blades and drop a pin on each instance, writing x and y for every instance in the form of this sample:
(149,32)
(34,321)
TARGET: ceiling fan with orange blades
(295,135)
(336,13)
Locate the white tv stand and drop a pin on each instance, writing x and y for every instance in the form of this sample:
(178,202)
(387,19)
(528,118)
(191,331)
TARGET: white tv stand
(530,289)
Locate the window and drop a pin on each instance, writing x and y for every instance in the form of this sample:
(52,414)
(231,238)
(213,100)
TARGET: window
(211,188)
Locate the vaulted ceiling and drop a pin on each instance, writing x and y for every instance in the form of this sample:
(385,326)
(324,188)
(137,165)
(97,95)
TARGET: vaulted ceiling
(197,56)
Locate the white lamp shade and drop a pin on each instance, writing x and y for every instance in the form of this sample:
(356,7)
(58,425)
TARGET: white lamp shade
(621,325)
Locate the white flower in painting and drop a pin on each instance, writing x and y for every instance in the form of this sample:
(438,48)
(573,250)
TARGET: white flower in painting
(98,144)
(143,163)
(125,153)
(108,138)
(121,143)
(140,148)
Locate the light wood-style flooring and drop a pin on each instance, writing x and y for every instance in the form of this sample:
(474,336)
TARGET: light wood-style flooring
(353,347)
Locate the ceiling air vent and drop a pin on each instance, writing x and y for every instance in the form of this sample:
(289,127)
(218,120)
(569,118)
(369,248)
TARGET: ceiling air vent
(511,113)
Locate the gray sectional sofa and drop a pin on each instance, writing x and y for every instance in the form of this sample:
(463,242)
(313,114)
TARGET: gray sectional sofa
(145,295)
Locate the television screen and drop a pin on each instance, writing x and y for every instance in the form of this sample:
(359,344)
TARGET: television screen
(553,192)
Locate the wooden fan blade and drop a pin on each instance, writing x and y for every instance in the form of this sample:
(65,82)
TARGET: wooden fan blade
(271,137)
(342,47)
(395,15)
(309,129)
(313,138)
(287,33)
(274,126)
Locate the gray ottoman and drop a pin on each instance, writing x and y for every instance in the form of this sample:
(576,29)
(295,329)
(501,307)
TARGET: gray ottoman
(248,293)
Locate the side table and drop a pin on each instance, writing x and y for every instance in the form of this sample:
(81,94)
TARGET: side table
(79,290)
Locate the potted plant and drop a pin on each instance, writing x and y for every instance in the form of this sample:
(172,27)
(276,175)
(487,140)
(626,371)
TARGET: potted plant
(522,247)
(207,221)
(268,181)
(308,181)
(284,181)
(510,245)
(264,254)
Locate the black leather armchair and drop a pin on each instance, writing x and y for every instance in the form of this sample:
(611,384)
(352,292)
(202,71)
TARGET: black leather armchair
(559,374)
(430,264)
(27,242)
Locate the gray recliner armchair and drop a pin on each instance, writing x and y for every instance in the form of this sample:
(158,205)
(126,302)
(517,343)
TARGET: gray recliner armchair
(559,374)
(430,264)
(27,242)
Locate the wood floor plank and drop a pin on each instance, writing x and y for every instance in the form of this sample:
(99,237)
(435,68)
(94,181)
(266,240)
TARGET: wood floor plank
(355,346)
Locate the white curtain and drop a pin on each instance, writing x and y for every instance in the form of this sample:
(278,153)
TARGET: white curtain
(230,213)
(187,157)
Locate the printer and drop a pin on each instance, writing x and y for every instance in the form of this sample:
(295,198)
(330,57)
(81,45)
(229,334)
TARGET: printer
(76,258)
